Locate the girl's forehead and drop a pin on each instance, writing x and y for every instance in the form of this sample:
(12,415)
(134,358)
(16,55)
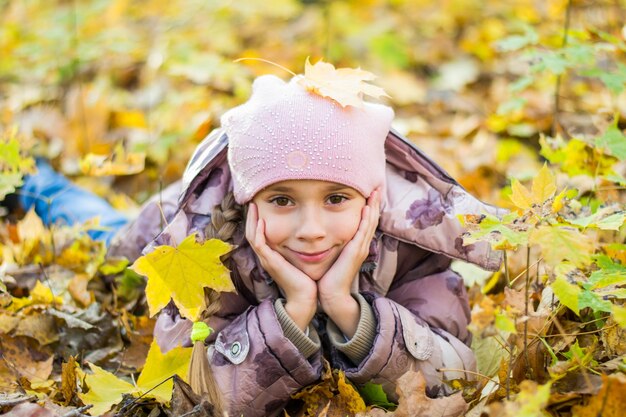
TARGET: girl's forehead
(308,186)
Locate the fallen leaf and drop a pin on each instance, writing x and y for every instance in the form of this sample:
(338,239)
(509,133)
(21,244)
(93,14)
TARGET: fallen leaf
(139,332)
(161,366)
(78,290)
(29,410)
(40,295)
(182,272)
(348,399)
(413,401)
(8,322)
(119,162)
(609,402)
(8,378)
(184,400)
(68,380)
(346,86)
(529,402)
(613,337)
(25,358)
(106,390)
(567,293)
(38,326)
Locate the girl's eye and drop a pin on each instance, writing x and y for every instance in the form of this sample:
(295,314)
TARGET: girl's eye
(281,201)
(337,199)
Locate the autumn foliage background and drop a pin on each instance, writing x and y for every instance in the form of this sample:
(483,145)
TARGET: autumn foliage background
(523,102)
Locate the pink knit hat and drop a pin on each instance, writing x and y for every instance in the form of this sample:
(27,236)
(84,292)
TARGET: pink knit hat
(284,132)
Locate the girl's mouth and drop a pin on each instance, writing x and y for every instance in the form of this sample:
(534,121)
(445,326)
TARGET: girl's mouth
(311,257)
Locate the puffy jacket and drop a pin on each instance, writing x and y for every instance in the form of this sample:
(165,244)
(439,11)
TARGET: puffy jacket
(414,309)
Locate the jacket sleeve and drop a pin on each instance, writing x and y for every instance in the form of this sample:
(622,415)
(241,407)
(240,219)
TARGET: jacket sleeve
(421,324)
(257,365)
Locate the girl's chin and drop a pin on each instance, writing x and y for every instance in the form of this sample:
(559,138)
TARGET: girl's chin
(314,273)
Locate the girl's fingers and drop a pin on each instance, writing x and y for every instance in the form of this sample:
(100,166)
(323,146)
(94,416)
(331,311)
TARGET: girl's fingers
(251,222)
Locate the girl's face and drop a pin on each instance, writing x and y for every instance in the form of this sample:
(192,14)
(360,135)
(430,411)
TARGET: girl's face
(309,222)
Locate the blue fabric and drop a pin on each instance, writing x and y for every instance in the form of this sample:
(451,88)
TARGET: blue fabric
(57,200)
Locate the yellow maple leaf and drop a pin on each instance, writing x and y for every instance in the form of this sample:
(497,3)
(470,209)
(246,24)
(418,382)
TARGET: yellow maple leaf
(558,243)
(181,273)
(349,397)
(106,390)
(520,195)
(119,162)
(544,185)
(160,366)
(346,86)
(39,295)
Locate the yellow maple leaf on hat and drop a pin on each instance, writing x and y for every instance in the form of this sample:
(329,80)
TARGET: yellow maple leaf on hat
(346,86)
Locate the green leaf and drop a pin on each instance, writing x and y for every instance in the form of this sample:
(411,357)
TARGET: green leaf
(614,141)
(493,230)
(489,354)
(600,220)
(606,263)
(503,322)
(579,54)
(593,301)
(601,279)
(511,105)
(373,394)
(13,165)
(567,293)
(515,42)
(551,61)
(521,84)
(391,49)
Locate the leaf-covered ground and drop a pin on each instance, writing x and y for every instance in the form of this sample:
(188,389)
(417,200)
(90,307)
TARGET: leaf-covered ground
(523,102)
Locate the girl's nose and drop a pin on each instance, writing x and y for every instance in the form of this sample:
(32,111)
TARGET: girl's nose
(311,226)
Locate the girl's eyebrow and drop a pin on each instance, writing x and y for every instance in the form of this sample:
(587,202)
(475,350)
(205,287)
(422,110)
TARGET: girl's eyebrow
(286,189)
(279,189)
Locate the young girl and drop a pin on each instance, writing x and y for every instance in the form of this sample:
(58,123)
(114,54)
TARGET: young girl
(344,235)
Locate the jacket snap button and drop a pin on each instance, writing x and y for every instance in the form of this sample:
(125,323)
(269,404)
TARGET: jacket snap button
(235,348)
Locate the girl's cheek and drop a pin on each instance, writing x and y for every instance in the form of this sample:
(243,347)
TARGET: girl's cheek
(273,230)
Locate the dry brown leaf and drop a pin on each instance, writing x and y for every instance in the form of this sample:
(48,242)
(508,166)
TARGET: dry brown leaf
(68,380)
(483,317)
(29,410)
(346,86)
(24,358)
(8,378)
(609,402)
(78,290)
(8,322)
(39,326)
(613,338)
(413,401)
(139,332)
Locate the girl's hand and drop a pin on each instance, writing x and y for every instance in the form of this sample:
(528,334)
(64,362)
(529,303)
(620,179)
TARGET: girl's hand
(300,290)
(334,287)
